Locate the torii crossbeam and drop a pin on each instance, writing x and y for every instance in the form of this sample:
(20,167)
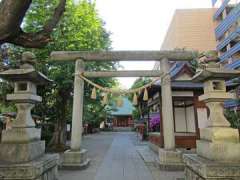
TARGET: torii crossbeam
(178,55)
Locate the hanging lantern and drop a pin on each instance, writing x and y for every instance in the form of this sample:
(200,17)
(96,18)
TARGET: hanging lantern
(94,93)
(105,99)
(145,96)
(135,99)
(119,102)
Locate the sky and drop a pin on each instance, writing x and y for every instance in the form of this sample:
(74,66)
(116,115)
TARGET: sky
(140,25)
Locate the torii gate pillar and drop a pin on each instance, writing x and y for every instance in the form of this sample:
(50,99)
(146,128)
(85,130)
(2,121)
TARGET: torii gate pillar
(169,158)
(167,107)
(76,157)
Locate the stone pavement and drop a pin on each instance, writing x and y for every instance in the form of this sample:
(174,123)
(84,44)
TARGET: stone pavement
(97,146)
(122,162)
(119,156)
(151,161)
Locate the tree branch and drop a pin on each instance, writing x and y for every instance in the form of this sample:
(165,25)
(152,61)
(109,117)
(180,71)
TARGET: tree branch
(52,23)
(37,39)
(12,13)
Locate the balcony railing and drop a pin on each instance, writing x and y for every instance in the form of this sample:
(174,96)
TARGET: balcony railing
(230,52)
(221,9)
(234,65)
(228,22)
(232,36)
(231,103)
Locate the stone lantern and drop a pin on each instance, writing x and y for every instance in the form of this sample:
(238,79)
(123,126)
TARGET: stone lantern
(218,150)
(22,153)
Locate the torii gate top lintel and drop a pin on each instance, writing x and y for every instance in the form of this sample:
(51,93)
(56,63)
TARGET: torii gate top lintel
(177,55)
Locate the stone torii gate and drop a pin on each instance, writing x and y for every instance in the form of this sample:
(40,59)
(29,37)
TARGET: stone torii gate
(76,157)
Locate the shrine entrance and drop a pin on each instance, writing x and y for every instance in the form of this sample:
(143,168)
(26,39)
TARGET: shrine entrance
(76,156)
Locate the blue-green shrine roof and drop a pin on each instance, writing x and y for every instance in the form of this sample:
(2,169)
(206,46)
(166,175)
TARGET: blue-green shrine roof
(126,108)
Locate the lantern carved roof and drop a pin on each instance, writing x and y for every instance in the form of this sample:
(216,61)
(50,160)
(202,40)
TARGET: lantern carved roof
(32,75)
(215,73)
(26,72)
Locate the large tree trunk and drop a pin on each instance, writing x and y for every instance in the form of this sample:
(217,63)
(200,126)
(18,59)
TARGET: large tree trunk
(12,13)
(58,141)
(59,138)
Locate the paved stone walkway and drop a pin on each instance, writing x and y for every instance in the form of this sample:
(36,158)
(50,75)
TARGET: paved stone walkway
(151,160)
(122,162)
(118,156)
(97,146)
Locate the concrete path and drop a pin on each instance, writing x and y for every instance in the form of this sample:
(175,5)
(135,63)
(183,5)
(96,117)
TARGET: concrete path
(122,162)
(97,146)
(119,156)
(151,161)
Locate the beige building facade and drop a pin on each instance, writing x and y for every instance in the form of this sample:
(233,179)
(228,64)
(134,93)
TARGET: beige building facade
(191,29)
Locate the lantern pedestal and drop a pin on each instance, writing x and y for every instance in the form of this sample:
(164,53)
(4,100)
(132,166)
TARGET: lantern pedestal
(218,150)
(199,168)
(43,168)
(22,153)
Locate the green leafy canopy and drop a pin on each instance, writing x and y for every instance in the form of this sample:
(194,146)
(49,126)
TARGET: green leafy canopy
(79,29)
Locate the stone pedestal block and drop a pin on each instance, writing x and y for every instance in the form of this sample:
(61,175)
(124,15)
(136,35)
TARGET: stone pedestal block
(219,134)
(44,168)
(19,153)
(21,135)
(170,160)
(75,159)
(219,151)
(199,168)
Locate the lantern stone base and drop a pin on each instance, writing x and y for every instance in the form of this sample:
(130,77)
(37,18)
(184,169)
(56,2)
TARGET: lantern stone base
(216,134)
(21,135)
(219,151)
(75,159)
(219,144)
(199,168)
(43,168)
(19,153)
(170,160)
